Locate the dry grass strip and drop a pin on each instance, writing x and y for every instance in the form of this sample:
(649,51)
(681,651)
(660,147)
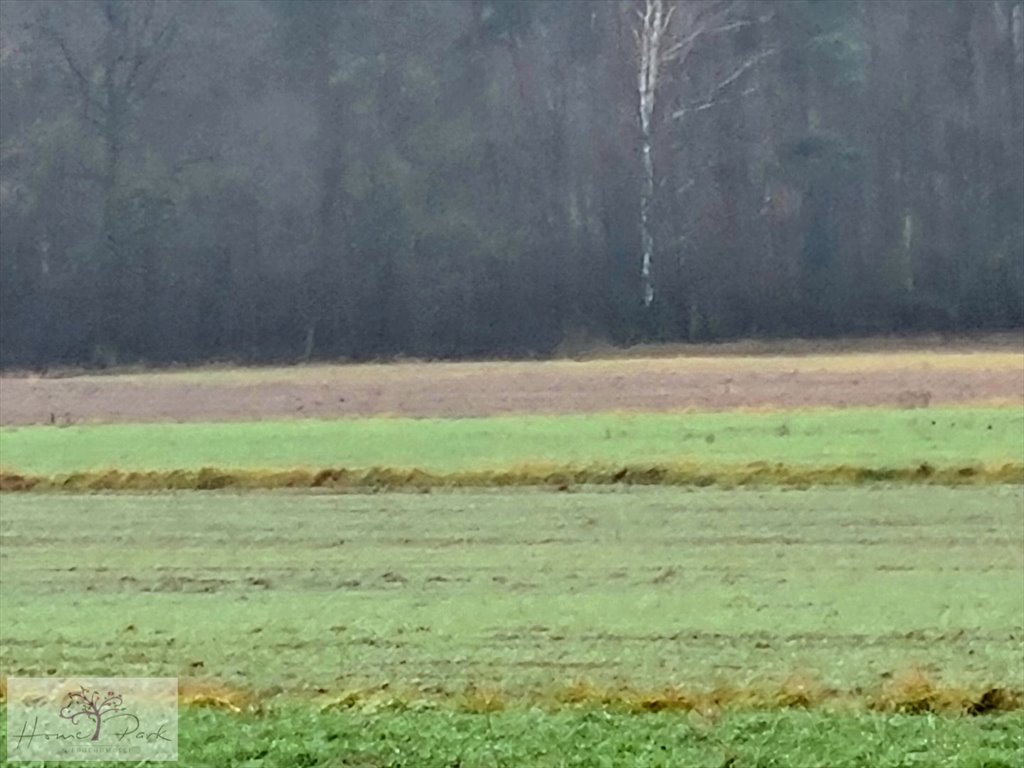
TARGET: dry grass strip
(910,692)
(552,477)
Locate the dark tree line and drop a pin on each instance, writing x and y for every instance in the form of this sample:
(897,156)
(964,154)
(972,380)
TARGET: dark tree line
(292,179)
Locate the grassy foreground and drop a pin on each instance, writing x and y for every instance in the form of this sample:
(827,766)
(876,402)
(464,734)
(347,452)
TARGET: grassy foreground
(832,627)
(866,438)
(849,593)
(307,738)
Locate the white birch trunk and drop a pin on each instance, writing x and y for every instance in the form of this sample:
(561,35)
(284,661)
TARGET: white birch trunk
(653,23)
(1017,33)
(646,236)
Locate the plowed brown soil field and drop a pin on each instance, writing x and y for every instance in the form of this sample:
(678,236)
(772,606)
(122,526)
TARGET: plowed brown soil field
(907,378)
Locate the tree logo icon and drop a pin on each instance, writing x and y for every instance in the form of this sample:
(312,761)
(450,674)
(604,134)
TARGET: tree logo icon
(93,706)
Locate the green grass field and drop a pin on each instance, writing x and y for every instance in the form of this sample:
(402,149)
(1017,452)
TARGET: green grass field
(492,628)
(521,591)
(875,438)
(300,736)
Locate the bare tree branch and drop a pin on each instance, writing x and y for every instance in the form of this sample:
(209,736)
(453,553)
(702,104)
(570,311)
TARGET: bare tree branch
(687,42)
(76,70)
(143,54)
(147,17)
(89,99)
(716,91)
(143,78)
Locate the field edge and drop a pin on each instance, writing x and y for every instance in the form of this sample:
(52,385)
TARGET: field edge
(556,477)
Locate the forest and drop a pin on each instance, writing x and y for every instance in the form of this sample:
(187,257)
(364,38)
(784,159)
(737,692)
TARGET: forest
(290,180)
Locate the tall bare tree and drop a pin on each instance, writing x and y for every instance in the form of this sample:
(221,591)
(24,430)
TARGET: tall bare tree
(113,73)
(660,41)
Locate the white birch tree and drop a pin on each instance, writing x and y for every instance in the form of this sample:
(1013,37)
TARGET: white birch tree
(649,35)
(660,42)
